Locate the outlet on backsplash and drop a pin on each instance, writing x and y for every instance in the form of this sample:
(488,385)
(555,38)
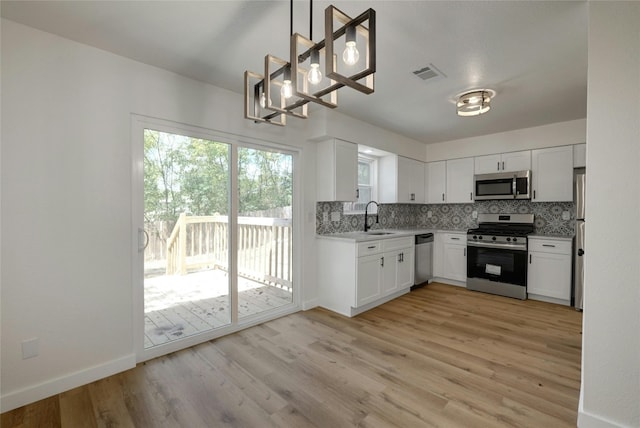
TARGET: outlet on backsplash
(335,216)
(325,217)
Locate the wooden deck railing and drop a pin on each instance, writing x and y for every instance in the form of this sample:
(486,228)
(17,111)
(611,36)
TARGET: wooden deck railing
(264,247)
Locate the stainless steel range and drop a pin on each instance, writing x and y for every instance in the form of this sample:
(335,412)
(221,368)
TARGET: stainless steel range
(497,254)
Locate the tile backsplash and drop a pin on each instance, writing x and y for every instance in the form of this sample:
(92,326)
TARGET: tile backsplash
(547,215)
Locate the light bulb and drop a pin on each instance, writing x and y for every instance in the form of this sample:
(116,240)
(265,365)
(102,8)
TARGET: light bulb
(287,90)
(263,100)
(350,55)
(315,76)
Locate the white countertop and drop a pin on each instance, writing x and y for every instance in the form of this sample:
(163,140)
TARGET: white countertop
(551,237)
(361,236)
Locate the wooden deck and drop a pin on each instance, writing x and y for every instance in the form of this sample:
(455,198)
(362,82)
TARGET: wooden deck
(178,306)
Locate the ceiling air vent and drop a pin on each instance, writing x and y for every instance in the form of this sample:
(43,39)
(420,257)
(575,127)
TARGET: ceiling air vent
(430,72)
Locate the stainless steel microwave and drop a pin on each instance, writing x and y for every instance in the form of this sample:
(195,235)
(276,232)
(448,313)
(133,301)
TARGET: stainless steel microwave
(503,185)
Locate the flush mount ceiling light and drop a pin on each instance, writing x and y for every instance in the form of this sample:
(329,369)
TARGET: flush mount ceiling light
(474,103)
(313,72)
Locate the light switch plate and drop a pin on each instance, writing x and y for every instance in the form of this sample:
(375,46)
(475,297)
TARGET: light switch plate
(566,215)
(335,216)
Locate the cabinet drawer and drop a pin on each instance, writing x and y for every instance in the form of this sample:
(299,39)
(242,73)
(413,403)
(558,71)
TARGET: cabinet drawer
(368,248)
(554,247)
(397,243)
(455,238)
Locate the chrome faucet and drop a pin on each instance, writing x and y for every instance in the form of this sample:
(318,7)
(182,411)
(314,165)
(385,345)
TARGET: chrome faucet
(366,214)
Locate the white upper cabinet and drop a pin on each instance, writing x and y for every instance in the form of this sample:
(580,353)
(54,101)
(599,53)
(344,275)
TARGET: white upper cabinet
(459,181)
(401,180)
(579,155)
(505,162)
(552,174)
(337,171)
(435,182)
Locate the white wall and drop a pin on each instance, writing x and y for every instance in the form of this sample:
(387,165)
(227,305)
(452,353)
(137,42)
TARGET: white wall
(555,134)
(611,340)
(356,131)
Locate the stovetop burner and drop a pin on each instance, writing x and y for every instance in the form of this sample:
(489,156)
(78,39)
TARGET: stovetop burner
(517,230)
(491,226)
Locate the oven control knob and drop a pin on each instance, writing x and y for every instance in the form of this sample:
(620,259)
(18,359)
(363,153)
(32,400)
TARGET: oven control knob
(509,239)
(515,239)
(475,237)
(493,239)
(479,237)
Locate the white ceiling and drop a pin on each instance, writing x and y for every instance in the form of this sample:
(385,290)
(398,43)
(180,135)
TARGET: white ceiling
(532,53)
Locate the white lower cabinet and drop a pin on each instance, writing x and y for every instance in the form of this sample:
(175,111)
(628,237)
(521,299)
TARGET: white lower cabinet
(455,256)
(369,279)
(450,256)
(549,271)
(354,277)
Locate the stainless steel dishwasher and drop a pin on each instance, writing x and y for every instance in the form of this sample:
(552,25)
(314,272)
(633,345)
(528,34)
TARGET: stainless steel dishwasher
(424,258)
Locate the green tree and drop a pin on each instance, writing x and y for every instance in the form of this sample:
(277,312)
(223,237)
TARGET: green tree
(183,174)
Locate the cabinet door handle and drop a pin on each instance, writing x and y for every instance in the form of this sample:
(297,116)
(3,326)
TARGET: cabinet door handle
(357,193)
(503,165)
(471,196)
(548,245)
(534,194)
(413,197)
(443,197)
(529,258)
(465,251)
(498,165)
(382,261)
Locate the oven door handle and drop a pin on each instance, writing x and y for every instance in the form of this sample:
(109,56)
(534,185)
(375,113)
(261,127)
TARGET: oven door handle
(514,247)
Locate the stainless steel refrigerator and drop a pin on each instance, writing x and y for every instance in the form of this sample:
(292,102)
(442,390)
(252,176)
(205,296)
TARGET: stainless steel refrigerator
(580,182)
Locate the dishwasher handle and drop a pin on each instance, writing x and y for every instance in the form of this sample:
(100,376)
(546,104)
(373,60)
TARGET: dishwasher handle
(424,238)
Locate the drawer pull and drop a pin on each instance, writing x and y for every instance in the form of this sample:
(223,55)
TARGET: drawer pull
(455,239)
(371,247)
(548,245)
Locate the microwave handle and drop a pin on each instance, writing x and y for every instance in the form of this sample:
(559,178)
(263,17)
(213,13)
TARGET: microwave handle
(514,186)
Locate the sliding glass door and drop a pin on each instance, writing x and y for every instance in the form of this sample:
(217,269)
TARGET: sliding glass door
(265,194)
(186,256)
(215,238)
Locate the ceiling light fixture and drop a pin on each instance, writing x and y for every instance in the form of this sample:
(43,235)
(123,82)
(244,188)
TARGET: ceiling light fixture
(300,80)
(474,103)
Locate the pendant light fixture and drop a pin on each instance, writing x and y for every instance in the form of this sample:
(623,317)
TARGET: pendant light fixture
(474,103)
(300,80)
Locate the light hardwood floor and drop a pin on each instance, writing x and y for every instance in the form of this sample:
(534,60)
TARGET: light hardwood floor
(438,356)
